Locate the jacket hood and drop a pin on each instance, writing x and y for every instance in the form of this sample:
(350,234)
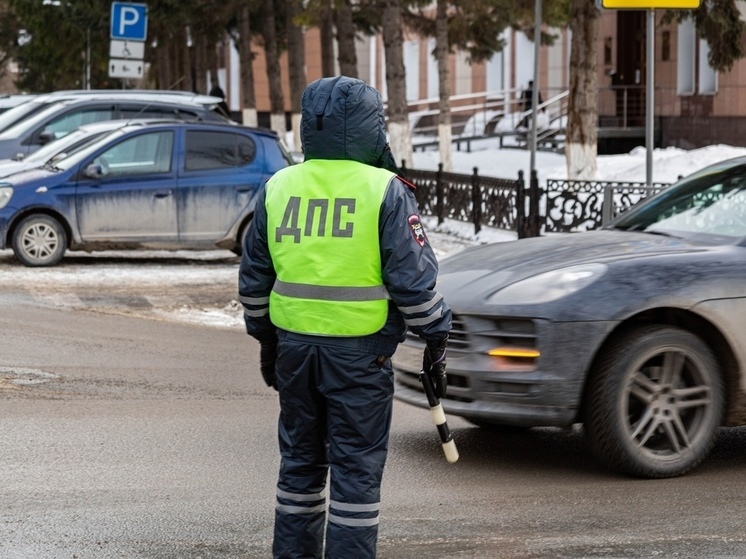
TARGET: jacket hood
(342,118)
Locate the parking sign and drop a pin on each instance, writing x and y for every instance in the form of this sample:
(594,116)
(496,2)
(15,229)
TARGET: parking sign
(129,21)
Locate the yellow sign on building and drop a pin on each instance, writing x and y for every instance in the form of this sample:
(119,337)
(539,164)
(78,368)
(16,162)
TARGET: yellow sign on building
(649,4)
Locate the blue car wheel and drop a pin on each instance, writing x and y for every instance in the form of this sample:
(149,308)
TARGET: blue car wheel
(39,240)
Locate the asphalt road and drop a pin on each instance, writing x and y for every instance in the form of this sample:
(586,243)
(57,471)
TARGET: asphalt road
(123,435)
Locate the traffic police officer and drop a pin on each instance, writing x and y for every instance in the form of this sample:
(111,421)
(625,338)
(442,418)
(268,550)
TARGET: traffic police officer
(335,267)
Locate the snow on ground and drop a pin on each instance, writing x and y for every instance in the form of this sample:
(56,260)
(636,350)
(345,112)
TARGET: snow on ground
(121,270)
(668,163)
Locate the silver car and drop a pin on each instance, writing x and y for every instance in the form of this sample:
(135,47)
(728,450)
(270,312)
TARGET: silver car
(56,119)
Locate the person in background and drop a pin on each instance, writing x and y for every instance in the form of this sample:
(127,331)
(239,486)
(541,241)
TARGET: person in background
(527,102)
(335,267)
(223,109)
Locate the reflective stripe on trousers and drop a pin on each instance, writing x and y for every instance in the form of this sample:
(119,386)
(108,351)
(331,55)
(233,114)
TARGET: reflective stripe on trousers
(341,395)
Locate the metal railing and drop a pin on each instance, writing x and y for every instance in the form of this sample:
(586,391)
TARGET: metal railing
(474,198)
(564,206)
(571,205)
(499,113)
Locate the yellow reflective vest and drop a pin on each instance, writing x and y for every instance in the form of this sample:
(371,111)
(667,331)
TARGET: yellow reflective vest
(322,232)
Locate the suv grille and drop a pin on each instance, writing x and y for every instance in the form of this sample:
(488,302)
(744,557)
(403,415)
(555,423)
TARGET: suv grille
(504,332)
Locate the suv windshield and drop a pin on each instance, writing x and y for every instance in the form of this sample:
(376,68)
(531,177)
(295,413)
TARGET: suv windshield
(709,205)
(21,112)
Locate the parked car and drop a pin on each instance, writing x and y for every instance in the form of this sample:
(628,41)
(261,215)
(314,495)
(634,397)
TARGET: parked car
(637,331)
(8,102)
(33,104)
(64,147)
(60,118)
(160,185)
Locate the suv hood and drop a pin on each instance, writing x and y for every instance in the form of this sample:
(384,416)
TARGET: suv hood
(499,264)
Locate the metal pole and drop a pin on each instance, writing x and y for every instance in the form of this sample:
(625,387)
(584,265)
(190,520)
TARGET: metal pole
(535,92)
(649,100)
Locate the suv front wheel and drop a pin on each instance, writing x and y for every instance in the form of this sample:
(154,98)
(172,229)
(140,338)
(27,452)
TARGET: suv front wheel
(656,403)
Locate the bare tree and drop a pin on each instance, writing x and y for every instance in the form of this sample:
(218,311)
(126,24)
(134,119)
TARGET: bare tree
(326,27)
(249,116)
(274,78)
(211,61)
(398,121)
(199,61)
(444,85)
(347,57)
(296,67)
(582,111)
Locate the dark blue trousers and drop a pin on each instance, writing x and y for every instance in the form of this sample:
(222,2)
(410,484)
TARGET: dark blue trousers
(334,423)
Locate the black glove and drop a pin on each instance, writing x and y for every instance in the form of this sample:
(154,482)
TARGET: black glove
(434,366)
(267,359)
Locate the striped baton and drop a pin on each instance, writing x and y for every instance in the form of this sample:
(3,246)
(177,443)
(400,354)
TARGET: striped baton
(439,417)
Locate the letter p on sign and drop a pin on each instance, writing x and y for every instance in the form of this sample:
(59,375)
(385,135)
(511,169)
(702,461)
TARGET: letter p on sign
(129,21)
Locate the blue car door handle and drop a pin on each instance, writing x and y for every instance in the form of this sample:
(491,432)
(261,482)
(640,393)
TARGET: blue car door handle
(163,194)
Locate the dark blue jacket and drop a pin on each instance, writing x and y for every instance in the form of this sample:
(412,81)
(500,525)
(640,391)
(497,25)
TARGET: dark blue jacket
(342,118)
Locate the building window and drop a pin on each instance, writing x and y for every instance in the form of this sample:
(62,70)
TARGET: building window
(666,46)
(495,67)
(708,77)
(693,71)
(412,69)
(433,79)
(607,51)
(685,60)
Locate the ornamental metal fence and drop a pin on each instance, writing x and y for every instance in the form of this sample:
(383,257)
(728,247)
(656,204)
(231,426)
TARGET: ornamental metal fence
(474,198)
(563,206)
(574,205)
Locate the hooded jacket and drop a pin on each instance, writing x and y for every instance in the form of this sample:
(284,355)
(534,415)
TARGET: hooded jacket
(343,119)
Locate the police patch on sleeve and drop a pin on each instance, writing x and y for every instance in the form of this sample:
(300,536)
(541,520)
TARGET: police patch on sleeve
(418,232)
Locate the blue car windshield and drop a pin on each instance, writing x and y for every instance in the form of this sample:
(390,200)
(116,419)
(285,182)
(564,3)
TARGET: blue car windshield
(709,205)
(67,145)
(87,151)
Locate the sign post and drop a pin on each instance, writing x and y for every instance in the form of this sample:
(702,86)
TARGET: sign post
(650,6)
(128,31)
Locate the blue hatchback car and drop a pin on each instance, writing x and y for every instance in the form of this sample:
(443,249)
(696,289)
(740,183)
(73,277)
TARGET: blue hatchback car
(166,185)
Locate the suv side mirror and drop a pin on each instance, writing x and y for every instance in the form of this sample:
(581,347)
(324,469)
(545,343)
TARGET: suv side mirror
(46,137)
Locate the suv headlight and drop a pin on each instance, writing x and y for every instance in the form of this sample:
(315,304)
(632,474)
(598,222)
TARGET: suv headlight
(6,193)
(549,286)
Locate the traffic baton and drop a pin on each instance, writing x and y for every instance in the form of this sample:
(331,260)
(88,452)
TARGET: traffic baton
(439,417)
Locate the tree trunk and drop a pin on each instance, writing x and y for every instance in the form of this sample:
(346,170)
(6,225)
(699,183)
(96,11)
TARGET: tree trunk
(211,61)
(347,56)
(327,39)
(442,51)
(582,113)
(164,66)
(186,47)
(274,79)
(296,68)
(249,116)
(200,48)
(396,87)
